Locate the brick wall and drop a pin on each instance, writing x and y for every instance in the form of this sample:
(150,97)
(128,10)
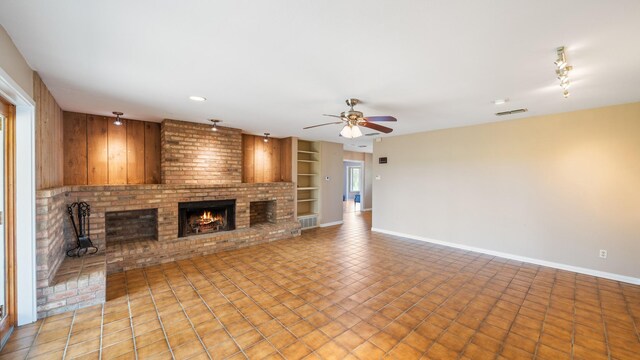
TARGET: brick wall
(165,198)
(193,154)
(51,220)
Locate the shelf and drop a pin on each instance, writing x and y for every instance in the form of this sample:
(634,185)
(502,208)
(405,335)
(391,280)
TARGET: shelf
(307,152)
(307,200)
(307,174)
(308,188)
(305,214)
(308,161)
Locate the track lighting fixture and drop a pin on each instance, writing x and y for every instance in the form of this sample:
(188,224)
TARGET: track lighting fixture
(562,70)
(266,137)
(117,121)
(215,124)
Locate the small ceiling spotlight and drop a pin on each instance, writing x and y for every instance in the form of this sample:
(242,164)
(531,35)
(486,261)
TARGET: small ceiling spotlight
(500,101)
(117,121)
(266,137)
(215,124)
(197,98)
(562,70)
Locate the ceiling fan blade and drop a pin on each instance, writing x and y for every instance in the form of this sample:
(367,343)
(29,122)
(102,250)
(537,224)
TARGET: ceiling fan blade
(380,118)
(336,116)
(377,127)
(331,123)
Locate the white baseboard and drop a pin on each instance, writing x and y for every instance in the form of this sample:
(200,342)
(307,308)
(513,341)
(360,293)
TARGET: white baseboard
(368,209)
(332,223)
(577,269)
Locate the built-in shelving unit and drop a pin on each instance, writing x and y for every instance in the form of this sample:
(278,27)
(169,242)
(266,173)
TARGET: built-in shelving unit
(308,182)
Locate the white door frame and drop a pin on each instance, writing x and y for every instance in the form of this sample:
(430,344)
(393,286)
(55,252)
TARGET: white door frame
(25,198)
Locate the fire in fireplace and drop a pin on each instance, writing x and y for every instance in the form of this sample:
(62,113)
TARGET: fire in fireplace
(203,217)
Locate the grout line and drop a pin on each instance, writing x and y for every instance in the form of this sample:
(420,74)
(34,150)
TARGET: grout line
(286,328)
(444,282)
(266,338)
(133,334)
(546,313)
(475,331)
(628,309)
(182,307)
(604,323)
(512,321)
(573,317)
(102,322)
(155,308)
(26,356)
(66,346)
(211,310)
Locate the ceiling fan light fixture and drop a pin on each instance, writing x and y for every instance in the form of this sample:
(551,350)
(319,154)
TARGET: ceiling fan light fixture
(351,131)
(356,132)
(346,132)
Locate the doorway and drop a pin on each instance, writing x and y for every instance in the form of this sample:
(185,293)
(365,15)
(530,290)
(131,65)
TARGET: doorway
(353,186)
(7,229)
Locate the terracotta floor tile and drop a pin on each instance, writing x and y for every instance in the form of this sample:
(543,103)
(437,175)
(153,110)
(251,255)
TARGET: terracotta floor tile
(152,349)
(345,292)
(405,352)
(86,347)
(14,355)
(315,339)
(295,351)
(332,350)
(349,340)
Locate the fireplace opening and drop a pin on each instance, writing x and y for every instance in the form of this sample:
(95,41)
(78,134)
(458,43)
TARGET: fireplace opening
(262,212)
(204,217)
(122,226)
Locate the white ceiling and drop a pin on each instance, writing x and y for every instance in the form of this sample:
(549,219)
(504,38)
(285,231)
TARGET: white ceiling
(276,66)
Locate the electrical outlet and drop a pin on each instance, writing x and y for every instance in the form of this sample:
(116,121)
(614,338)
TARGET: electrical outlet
(603,254)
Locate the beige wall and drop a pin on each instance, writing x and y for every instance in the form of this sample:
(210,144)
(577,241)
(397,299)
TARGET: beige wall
(368,182)
(353,156)
(331,165)
(555,188)
(12,62)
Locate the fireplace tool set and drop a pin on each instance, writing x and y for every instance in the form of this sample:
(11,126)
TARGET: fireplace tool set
(84,245)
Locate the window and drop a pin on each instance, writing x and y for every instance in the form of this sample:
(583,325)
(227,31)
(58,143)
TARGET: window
(354,179)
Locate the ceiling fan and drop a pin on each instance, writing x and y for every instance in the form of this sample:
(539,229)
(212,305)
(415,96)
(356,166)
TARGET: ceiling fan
(353,119)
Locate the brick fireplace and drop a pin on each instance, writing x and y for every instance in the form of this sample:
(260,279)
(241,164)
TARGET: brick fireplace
(201,207)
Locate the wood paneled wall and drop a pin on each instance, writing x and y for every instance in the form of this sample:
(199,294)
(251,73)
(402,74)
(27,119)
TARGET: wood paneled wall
(97,152)
(266,162)
(49,137)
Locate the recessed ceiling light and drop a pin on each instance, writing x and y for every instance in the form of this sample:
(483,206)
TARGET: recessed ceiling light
(197,98)
(500,101)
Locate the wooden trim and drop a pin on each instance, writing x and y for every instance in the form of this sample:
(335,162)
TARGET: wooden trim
(7,324)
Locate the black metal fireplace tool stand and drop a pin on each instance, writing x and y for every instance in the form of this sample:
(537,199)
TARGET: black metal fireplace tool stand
(84,245)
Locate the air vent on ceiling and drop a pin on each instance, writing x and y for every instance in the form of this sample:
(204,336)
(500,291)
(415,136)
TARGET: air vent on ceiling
(511,112)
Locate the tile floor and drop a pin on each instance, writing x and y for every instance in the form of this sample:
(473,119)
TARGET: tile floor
(343,292)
